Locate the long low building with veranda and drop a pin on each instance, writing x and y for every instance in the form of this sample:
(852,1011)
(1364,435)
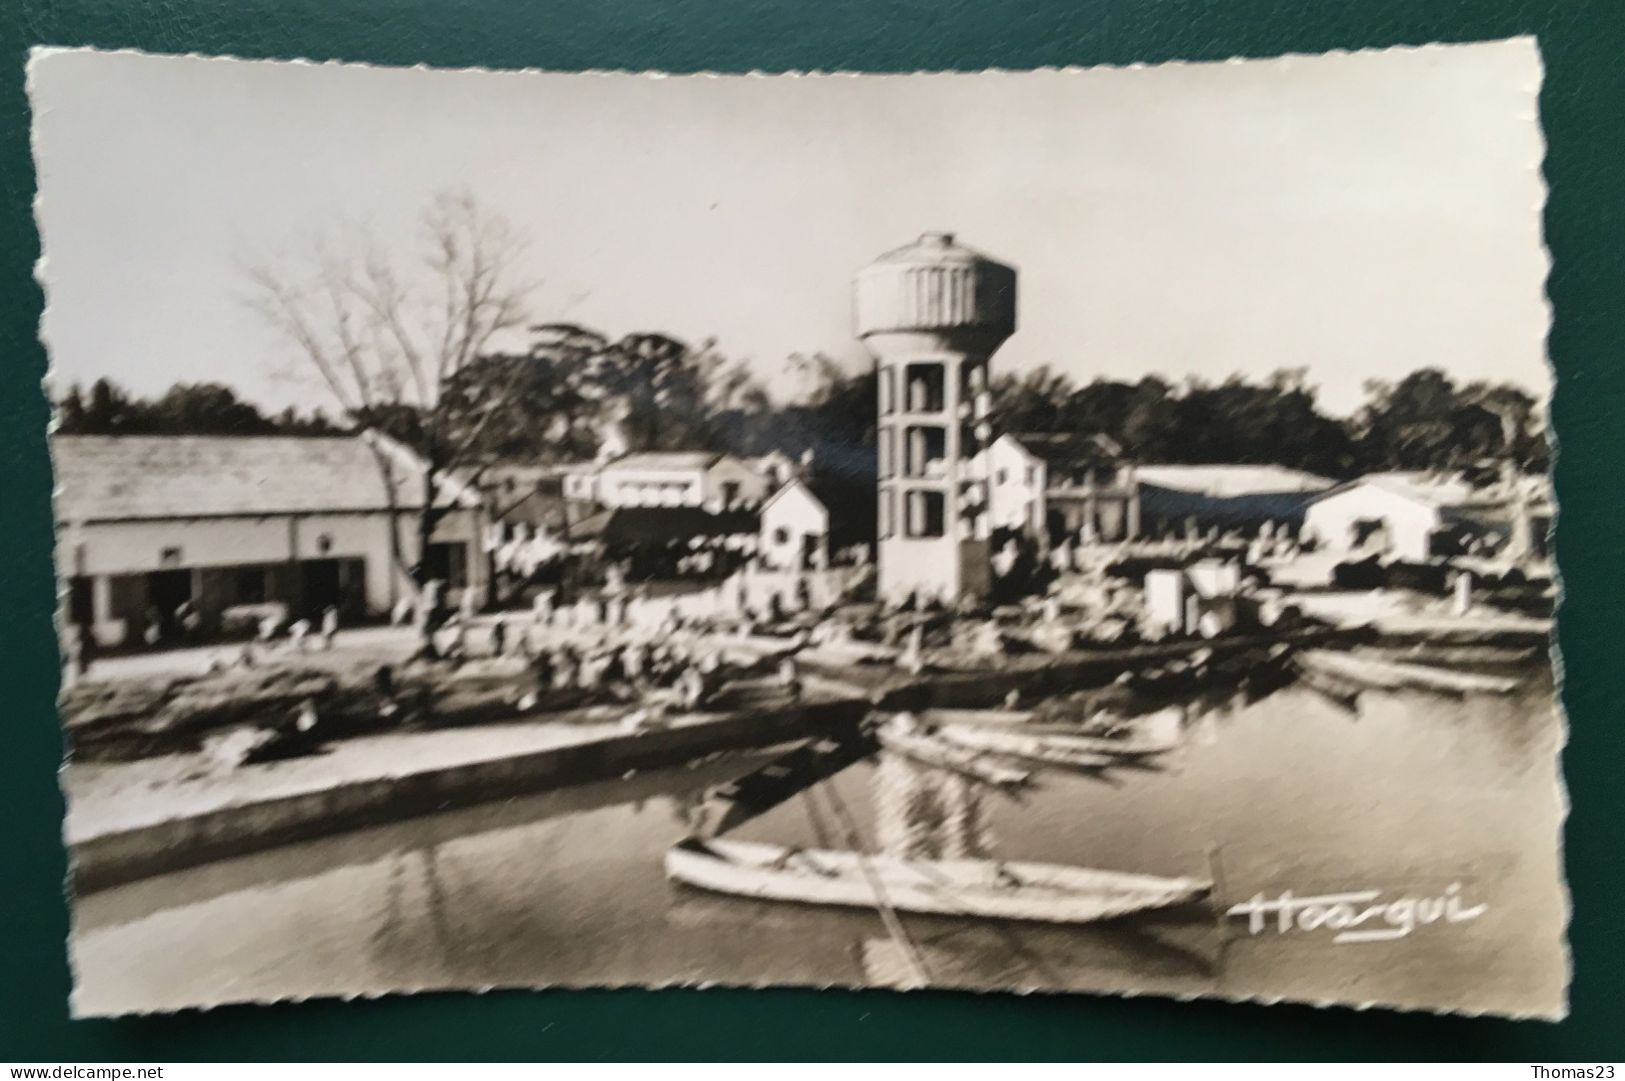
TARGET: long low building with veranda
(162,538)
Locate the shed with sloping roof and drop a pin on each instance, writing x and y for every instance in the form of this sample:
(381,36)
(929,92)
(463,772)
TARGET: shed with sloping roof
(161,538)
(1176,498)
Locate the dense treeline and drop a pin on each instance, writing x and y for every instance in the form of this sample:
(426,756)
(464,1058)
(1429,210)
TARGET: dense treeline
(558,399)
(1424,421)
(184,409)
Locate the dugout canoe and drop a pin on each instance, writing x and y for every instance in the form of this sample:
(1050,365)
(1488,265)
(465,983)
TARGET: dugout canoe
(980,889)
(1083,752)
(930,750)
(1397,675)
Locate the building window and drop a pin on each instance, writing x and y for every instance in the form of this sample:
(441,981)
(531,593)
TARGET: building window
(926,514)
(925,451)
(81,601)
(885,453)
(885,390)
(781,535)
(885,515)
(1002,476)
(926,387)
(730,492)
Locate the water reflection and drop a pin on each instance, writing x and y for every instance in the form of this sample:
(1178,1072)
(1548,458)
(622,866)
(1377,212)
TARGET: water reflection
(568,887)
(923,813)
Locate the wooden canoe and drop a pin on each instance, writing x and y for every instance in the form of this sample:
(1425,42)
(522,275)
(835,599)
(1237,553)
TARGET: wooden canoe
(995,717)
(940,754)
(1397,675)
(1081,752)
(982,889)
(1163,727)
(1457,656)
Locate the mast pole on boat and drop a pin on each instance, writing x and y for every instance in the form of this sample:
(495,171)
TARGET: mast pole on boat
(888,915)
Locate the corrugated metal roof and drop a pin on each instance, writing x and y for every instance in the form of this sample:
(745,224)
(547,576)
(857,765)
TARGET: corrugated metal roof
(664,461)
(1430,488)
(123,477)
(1226,481)
(1451,489)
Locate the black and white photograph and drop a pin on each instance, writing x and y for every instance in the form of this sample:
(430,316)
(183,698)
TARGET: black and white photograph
(1078,530)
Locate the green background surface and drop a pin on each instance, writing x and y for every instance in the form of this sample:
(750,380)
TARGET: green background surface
(1583,109)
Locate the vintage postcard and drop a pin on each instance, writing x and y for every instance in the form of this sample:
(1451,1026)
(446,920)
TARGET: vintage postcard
(1077,530)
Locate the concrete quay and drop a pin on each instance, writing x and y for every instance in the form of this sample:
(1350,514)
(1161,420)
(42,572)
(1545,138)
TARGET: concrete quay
(132,820)
(121,832)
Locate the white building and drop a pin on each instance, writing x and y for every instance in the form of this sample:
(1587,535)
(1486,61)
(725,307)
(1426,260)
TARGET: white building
(579,482)
(795,529)
(674,479)
(1016,493)
(1415,516)
(148,525)
(1056,485)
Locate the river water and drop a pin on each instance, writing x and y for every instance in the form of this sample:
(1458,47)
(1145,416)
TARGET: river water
(1409,796)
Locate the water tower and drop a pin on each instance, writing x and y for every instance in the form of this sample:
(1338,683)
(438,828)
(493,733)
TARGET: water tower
(933,313)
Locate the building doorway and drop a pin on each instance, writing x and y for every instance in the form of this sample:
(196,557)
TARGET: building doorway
(167,592)
(320,585)
(812,546)
(447,562)
(81,601)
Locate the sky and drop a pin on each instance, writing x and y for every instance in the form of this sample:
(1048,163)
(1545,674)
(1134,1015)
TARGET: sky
(1359,215)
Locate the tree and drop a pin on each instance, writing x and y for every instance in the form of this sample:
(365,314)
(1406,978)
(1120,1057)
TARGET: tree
(834,421)
(392,338)
(1033,402)
(109,408)
(205,409)
(70,412)
(558,398)
(1276,423)
(184,409)
(540,405)
(1522,436)
(1425,421)
(663,390)
(743,417)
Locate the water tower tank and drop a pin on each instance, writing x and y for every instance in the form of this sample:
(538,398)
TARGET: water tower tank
(936,286)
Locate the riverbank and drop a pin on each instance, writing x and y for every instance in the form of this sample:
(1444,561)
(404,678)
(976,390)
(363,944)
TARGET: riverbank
(129,820)
(158,813)
(526,892)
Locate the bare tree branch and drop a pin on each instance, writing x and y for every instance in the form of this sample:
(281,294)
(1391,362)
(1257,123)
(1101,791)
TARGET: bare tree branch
(388,334)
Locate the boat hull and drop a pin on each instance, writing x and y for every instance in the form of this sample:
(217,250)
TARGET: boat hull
(1080,751)
(1396,675)
(940,754)
(981,889)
